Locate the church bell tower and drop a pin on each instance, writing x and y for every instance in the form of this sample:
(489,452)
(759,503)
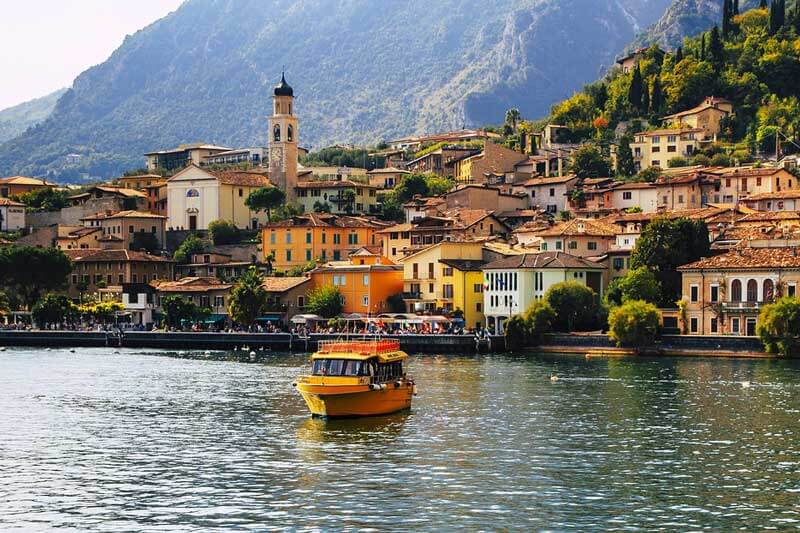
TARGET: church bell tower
(283,140)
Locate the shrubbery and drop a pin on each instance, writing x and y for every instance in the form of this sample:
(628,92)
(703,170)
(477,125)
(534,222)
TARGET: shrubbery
(779,327)
(634,324)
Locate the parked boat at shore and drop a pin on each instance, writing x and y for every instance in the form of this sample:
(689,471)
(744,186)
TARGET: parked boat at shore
(357,378)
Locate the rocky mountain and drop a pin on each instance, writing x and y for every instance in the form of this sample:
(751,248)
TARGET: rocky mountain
(685,18)
(14,120)
(361,73)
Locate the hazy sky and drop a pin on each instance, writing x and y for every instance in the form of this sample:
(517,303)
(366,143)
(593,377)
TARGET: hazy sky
(45,44)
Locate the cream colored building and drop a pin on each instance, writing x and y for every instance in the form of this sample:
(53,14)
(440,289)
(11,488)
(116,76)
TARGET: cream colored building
(12,215)
(386,178)
(630,195)
(127,224)
(707,116)
(581,237)
(724,294)
(197,196)
(551,194)
(656,148)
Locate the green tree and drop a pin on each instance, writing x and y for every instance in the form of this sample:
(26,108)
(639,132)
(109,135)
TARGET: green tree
(702,160)
(679,55)
(322,207)
(636,89)
(726,18)
(53,309)
(720,160)
(178,309)
(438,185)
(677,161)
(190,245)
(716,50)
(248,298)
(265,199)
(638,284)
(574,304)
(657,100)
(325,301)
(29,272)
(539,318)
(411,186)
(634,324)
(145,242)
(588,162)
(515,332)
(513,116)
(349,200)
(666,245)
(779,327)
(46,199)
(223,232)
(649,175)
(625,164)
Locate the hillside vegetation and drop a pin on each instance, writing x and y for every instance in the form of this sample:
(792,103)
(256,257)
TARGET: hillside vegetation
(752,59)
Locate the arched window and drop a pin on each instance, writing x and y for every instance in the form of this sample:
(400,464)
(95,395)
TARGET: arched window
(276,133)
(289,133)
(752,290)
(192,193)
(769,290)
(736,291)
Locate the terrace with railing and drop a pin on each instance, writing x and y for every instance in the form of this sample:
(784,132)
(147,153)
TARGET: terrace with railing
(361,347)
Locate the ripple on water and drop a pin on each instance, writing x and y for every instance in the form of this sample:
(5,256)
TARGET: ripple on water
(140,441)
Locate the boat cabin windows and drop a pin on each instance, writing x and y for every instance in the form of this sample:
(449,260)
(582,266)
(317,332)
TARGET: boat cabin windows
(349,367)
(341,367)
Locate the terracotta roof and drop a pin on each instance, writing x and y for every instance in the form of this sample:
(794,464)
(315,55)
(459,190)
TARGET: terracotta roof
(275,284)
(78,233)
(467,217)
(327,220)
(25,180)
(122,191)
(534,182)
(701,213)
(247,178)
(748,172)
(580,226)
(749,258)
(192,284)
(123,214)
(668,131)
(542,260)
(340,184)
(116,255)
(634,185)
(368,250)
(779,195)
(388,170)
(696,109)
(762,216)
(464,265)
(9,202)
(397,228)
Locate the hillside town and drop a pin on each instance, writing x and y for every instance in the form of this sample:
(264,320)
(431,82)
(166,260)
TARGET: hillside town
(484,230)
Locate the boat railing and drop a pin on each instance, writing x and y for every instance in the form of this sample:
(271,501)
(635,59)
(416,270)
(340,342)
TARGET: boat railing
(363,347)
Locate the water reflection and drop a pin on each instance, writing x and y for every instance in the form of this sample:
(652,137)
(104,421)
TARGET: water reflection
(98,441)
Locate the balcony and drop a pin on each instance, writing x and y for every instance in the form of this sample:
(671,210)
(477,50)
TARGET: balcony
(743,306)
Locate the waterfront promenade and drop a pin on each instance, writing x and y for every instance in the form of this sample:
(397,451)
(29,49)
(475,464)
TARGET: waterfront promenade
(676,345)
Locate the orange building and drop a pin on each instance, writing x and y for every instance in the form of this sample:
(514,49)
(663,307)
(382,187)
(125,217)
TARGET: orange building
(17,185)
(366,281)
(318,237)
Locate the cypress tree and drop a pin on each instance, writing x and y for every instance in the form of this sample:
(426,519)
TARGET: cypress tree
(781,13)
(678,55)
(797,18)
(763,4)
(703,47)
(735,7)
(657,100)
(715,48)
(625,164)
(777,16)
(635,91)
(646,98)
(726,18)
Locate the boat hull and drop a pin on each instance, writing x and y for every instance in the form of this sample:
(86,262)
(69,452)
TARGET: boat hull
(350,401)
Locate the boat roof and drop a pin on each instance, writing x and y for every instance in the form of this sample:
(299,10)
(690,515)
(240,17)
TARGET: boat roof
(386,351)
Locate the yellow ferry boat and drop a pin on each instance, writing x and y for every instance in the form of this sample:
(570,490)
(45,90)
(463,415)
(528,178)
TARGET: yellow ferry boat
(357,378)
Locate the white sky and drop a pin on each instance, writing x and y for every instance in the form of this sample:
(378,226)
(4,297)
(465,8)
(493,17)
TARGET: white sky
(45,44)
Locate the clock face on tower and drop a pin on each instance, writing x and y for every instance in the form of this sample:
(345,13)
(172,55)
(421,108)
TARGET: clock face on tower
(276,157)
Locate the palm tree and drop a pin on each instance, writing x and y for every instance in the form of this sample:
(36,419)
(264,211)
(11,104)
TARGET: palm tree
(513,117)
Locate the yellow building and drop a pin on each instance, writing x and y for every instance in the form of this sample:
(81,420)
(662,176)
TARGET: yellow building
(366,281)
(140,182)
(317,237)
(430,284)
(656,148)
(339,197)
(707,116)
(466,278)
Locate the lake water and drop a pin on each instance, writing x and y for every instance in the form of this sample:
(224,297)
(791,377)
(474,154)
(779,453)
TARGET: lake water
(144,441)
